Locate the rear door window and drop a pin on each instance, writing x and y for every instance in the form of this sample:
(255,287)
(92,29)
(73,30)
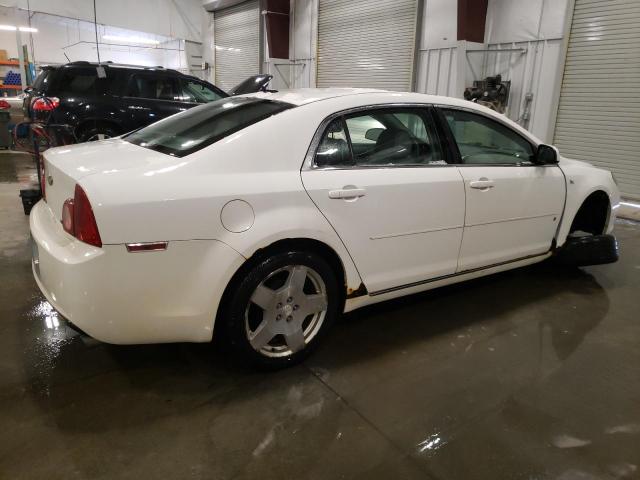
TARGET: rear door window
(386,137)
(154,88)
(196,92)
(198,127)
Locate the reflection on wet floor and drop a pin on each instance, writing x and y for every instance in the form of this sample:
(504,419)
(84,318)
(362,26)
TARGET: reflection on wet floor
(530,374)
(17,168)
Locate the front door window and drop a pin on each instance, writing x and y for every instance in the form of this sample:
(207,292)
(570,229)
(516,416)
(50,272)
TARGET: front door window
(483,141)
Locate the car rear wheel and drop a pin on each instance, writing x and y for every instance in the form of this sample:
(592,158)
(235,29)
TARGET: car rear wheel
(279,312)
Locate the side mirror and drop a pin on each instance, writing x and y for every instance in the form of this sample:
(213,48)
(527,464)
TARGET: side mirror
(546,155)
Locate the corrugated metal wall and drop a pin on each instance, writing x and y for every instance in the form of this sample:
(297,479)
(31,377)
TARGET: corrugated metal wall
(438,71)
(366,44)
(599,110)
(530,66)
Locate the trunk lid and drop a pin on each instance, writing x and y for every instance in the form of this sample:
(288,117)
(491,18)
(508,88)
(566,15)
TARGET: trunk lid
(66,166)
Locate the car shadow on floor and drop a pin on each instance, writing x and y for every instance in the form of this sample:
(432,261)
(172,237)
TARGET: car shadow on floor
(556,298)
(93,387)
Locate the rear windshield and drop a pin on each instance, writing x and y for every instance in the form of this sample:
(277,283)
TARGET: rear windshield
(194,129)
(43,80)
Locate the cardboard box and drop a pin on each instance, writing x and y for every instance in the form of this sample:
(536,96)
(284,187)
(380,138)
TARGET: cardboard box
(3,55)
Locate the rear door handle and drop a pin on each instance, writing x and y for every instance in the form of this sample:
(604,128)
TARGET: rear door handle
(347,193)
(482,184)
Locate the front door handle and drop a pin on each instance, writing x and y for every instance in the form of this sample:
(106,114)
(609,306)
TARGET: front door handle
(482,184)
(347,193)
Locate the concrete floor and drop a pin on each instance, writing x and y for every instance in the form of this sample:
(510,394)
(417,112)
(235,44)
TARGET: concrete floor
(530,374)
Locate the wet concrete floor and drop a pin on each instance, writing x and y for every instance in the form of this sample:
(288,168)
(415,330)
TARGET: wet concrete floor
(529,374)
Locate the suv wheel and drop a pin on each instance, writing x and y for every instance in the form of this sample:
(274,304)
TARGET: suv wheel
(279,312)
(99,132)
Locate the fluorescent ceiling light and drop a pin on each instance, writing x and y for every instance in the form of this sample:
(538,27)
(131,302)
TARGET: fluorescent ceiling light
(118,38)
(12,28)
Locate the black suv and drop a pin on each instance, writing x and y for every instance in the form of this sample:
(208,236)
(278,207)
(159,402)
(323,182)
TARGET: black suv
(99,101)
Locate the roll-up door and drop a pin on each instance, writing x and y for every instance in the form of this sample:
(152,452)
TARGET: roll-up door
(363,43)
(237,43)
(599,112)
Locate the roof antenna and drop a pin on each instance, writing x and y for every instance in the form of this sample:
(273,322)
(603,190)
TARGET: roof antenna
(99,69)
(95,26)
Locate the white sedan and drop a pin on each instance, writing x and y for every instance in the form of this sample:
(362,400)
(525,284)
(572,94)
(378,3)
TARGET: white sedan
(263,217)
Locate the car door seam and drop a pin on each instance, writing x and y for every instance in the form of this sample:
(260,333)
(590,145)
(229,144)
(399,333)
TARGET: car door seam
(514,219)
(332,228)
(464,218)
(453,152)
(554,242)
(418,232)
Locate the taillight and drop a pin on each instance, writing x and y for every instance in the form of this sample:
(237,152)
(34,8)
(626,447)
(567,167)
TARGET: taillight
(45,104)
(43,181)
(4,105)
(78,218)
(84,222)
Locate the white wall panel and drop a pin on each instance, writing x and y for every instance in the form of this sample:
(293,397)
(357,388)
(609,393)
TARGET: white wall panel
(178,19)
(531,72)
(535,26)
(448,70)
(439,23)
(60,36)
(438,72)
(208,46)
(524,20)
(297,71)
(193,52)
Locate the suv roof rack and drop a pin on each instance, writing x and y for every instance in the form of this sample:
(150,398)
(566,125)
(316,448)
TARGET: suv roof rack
(110,63)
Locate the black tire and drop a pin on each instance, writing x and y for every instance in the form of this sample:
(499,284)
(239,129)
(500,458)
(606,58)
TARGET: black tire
(92,133)
(582,251)
(237,303)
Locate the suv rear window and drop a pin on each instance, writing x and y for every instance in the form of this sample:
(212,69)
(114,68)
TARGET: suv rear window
(194,129)
(81,81)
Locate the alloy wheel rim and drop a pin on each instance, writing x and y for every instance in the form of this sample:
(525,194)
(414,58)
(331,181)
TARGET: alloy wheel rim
(98,136)
(286,311)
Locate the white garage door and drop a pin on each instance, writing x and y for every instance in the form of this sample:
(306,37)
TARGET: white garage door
(599,112)
(364,43)
(237,43)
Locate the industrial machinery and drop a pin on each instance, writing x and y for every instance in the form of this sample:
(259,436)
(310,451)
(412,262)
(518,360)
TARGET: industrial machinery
(491,92)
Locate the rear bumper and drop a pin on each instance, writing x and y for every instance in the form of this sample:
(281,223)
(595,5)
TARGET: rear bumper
(128,298)
(589,250)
